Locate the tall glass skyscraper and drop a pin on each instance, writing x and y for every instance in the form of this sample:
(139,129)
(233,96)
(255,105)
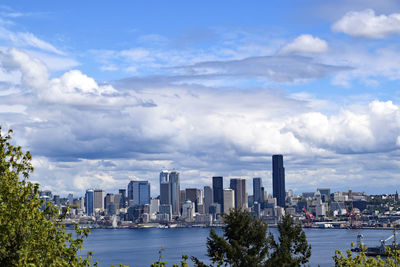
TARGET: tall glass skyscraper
(239,186)
(139,192)
(175,191)
(89,202)
(218,191)
(257,192)
(278,180)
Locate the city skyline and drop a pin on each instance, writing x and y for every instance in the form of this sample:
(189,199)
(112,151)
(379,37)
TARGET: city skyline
(102,94)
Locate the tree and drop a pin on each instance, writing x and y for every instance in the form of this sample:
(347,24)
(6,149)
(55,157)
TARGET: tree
(245,243)
(392,259)
(31,231)
(292,248)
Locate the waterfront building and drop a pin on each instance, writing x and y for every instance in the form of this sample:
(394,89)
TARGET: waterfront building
(166,212)
(218,191)
(154,205)
(258,194)
(241,198)
(188,210)
(139,192)
(99,195)
(229,199)
(122,203)
(195,196)
(89,202)
(278,180)
(175,191)
(208,198)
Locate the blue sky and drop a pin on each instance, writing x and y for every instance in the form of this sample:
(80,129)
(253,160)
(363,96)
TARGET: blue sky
(103,93)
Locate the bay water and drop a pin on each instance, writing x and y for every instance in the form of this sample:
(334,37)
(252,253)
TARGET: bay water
(140,247)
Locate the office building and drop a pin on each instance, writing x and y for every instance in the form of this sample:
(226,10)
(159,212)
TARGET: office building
(278,180)
(139,192)
(122,203)
(239,186)
(108,199)
(154,205)
(188,210)
(208,198)
(164,176)
(229,200)
(99,196)
(258,194)
(218,191)
(175,191)
(195,196)
(165,193)
(89,202)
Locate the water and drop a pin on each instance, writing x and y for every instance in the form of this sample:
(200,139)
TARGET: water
(139,247)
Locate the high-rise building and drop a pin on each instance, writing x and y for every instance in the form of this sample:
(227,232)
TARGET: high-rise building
(257,191)
(99,196)
(239,186)
(122,203)
(139,192)
(175,191)
(195,196)
(208,198)
(109,199)
(229,200)
(89,202)
(278,180)
(164,176)
(218,191)
(165,193)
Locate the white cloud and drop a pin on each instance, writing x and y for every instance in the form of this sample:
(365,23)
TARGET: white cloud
(376,129)
(367,24)
(27,39)
(305,44)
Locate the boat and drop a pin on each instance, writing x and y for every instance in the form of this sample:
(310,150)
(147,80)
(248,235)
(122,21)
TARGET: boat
(377,250)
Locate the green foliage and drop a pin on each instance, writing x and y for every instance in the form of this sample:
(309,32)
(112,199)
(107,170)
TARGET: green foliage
(350,260)
(292,248)
(31,235)
(245,243)
(161,263)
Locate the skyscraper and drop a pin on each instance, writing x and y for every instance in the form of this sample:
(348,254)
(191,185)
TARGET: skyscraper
(165,193)
(239,186)
(89,202)
(218,191)
(99,196)
(278,180)
(175,191)
(257,192)
(164,176)
(139,192)
(208,198)
(122,203)
(229,200)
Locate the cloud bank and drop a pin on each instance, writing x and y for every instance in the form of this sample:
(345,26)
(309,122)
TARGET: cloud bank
(368,25)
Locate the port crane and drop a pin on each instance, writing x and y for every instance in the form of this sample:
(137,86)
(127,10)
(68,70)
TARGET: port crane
(309,218)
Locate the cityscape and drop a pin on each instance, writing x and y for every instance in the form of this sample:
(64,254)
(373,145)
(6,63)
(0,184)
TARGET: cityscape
(133,207)
(141,130)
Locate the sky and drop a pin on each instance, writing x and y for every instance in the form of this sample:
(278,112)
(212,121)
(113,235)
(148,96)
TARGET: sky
(103,93)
